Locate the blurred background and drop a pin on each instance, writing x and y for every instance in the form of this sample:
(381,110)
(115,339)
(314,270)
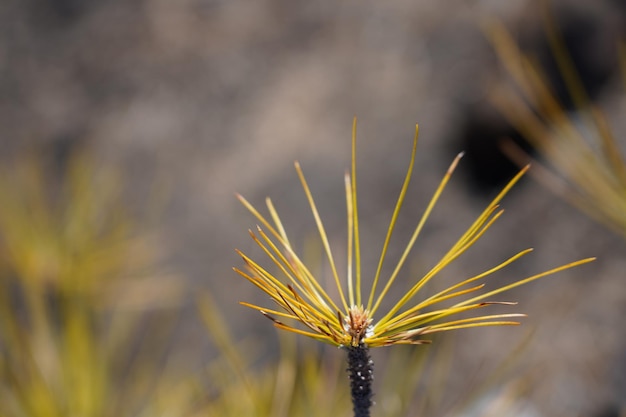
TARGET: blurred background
(181,104)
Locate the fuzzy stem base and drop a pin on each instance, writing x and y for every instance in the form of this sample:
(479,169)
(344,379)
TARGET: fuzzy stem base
(361,373)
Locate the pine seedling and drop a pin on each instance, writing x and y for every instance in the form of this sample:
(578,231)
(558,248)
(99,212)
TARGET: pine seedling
(356,321)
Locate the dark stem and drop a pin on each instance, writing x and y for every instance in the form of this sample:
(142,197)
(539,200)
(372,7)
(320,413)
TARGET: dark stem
(361,373)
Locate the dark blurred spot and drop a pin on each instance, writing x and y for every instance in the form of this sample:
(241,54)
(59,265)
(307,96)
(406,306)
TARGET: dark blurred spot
(58,153)
(59,13)
(592,46)
(482,137)
(592,49)
(62,148)
(609,411)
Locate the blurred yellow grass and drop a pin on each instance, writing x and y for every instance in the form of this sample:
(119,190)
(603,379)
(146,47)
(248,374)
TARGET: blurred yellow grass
(580,158)
(71,259)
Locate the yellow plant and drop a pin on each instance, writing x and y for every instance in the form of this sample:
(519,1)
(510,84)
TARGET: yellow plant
(310,383)
(350,322)
(581,158)
(72,292)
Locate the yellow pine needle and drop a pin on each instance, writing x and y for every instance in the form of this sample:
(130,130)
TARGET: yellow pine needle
(351,228)
(322,232)
(527,280)
(394,218)
(355,220)
(470,325)
(416,233)
(441,296)
(297,277)
(301,297)
(418,320)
